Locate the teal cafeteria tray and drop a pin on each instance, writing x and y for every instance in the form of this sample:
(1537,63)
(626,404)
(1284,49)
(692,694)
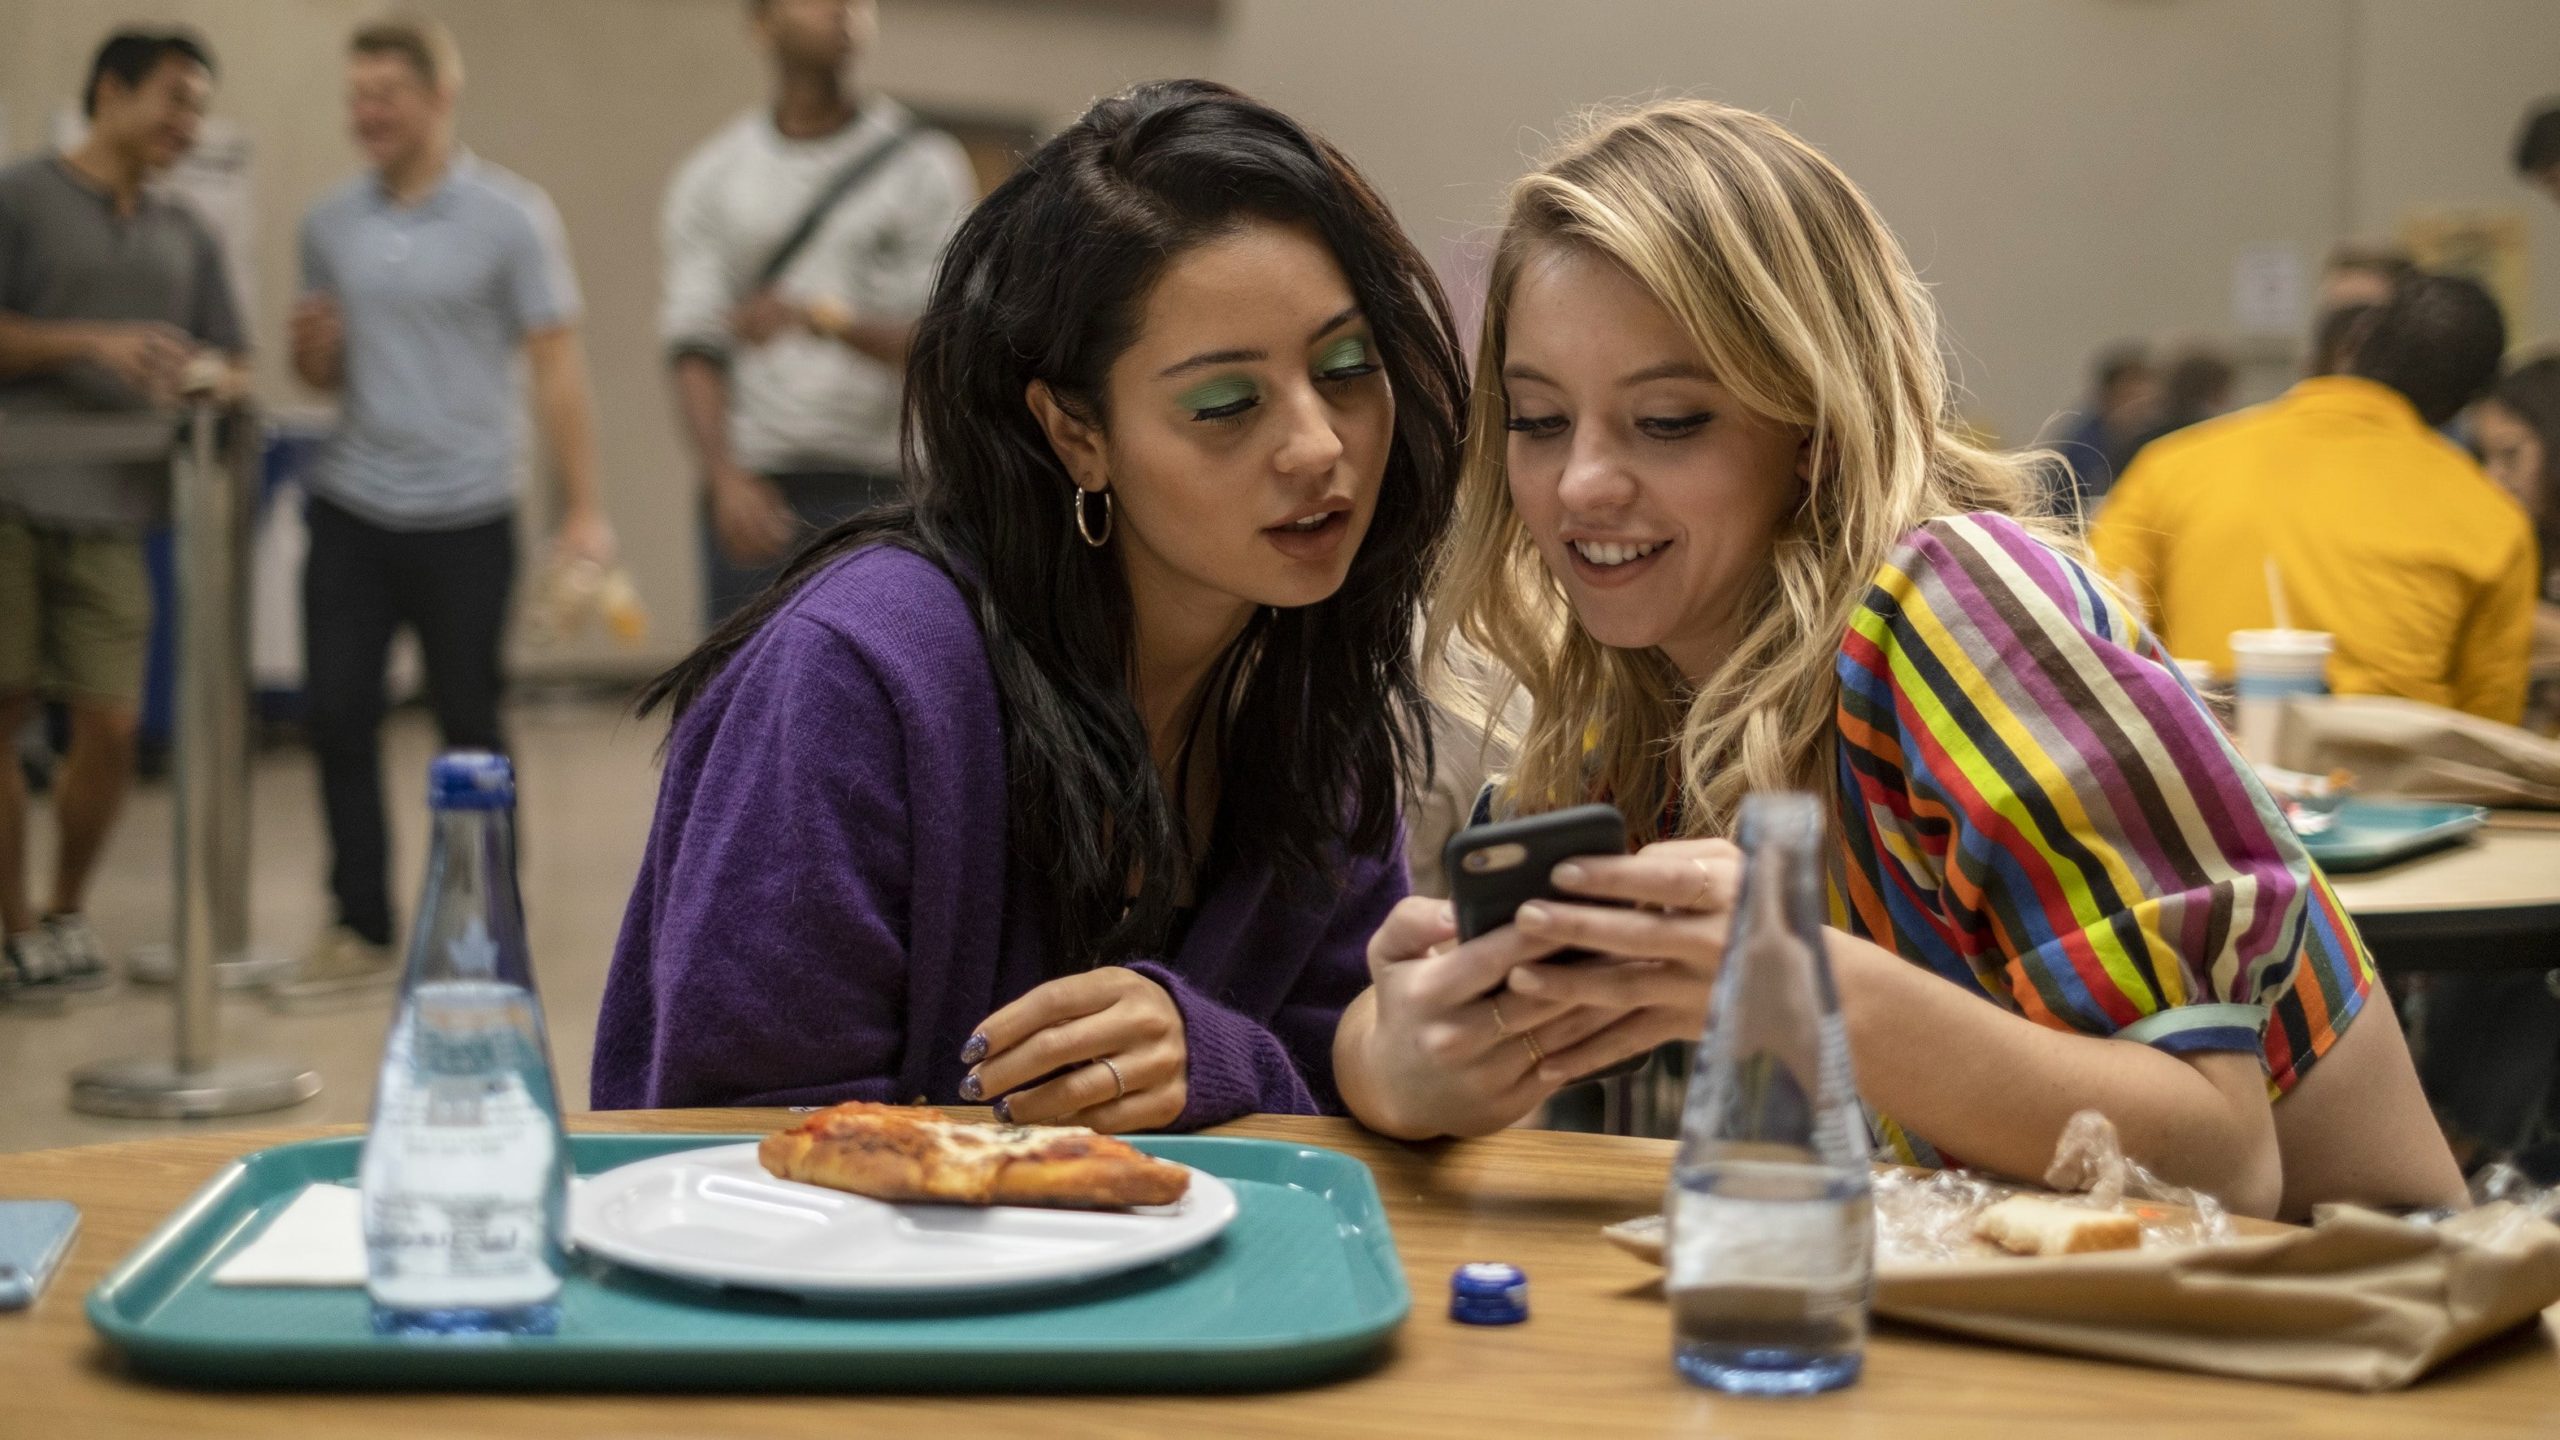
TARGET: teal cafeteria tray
(2369,834)
(1303,1285)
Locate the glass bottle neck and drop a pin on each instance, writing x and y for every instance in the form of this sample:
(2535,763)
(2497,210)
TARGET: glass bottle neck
(1780,911)
(471,922)
(475,847)
(1782,885)
(1773,1081)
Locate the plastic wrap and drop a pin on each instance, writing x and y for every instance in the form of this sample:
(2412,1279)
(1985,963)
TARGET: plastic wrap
(1927,1216)
(2528,1204)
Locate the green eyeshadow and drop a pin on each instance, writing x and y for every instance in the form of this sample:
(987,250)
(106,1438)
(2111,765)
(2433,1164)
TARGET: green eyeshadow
(1343,354)
(1215,394)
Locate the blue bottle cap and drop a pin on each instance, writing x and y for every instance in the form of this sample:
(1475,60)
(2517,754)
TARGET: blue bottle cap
(1489,1293)
(471,780)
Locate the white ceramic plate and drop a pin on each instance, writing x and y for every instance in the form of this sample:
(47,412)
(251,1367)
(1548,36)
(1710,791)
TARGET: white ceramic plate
(715,1217)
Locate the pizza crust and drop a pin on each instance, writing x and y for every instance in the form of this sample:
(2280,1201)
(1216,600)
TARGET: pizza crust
(908,1155)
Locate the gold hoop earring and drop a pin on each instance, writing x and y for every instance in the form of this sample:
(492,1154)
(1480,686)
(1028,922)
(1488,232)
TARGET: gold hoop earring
(1084,527)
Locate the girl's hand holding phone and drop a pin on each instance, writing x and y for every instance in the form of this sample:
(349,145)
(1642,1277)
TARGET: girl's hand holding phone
(1449,1042)
(1655,965)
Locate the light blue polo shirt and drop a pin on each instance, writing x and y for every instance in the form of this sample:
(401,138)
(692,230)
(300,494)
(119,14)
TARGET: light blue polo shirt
(437,298)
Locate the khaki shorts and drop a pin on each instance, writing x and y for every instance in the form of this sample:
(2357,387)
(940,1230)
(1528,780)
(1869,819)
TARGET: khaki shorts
(75,613)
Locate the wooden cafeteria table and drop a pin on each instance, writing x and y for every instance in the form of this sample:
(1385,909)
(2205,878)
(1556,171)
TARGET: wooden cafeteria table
(1592,1359)
(2490,903)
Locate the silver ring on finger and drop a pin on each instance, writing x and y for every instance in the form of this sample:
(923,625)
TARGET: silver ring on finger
(1119,1083)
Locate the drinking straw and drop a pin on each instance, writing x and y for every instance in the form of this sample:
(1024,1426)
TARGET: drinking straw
(2275,596)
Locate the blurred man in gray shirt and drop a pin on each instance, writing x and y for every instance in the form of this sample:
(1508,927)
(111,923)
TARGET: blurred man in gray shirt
(111,299)
(429,283)
(788,358)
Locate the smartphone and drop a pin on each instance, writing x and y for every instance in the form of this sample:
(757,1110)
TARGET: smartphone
(34,1236)
(1495,869)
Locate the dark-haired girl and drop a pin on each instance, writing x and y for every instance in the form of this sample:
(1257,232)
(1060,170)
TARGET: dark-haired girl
(1071,785)
(2517,429)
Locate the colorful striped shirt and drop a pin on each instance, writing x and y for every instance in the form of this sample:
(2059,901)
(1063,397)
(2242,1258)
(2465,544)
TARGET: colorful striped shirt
(2033,804)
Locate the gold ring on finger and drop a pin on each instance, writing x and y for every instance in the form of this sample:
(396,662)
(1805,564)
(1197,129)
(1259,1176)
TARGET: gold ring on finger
(1537,1052)
(1499,1028)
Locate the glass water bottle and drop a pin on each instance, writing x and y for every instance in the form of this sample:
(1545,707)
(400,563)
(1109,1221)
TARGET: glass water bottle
(1772,1235)
(465,1170)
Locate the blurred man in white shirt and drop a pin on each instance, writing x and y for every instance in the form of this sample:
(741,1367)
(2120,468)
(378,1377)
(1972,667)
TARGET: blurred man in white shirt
(800,245)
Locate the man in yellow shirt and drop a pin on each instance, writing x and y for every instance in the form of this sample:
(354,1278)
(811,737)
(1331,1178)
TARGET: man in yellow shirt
(2386,534)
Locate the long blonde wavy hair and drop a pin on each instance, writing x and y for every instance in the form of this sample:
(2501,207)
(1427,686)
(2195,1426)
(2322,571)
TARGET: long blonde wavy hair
(1806,309)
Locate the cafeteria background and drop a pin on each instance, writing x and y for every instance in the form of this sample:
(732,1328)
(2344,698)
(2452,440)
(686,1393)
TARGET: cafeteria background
(2075,178)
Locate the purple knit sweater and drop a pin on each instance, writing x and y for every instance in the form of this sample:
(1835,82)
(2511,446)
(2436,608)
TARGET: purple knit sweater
(827,909)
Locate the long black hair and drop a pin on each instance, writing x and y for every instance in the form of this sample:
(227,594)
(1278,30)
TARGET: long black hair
(1318,717)
(2532,391)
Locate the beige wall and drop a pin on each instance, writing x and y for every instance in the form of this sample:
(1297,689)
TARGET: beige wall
(2064,171)
(602,125)
(2437,95)
(597,101)
(279,75)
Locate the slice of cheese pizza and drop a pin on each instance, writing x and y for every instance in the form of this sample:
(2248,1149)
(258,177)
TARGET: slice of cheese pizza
(900,1153)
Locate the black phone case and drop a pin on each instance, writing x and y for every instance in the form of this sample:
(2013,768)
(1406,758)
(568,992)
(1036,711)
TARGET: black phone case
(1487,899)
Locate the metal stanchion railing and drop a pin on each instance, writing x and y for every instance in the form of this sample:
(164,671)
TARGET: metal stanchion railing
(211,480)
(222,636)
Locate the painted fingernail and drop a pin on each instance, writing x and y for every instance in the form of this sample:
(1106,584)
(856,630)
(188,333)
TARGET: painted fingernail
(1004,1109)
(974,1051)
(972,1089)
(1533,915)
(1569,873)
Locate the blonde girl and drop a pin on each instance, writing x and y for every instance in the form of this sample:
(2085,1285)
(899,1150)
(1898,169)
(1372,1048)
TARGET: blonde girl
(1716,521)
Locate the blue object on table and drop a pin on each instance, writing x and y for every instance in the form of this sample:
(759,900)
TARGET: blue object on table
(2369,834)
(1488,1293)
(34,1236)
(1305,1285)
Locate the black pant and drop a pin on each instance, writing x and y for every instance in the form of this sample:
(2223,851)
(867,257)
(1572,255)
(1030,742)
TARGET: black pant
(2488,1053)
(818,499)
(361,584)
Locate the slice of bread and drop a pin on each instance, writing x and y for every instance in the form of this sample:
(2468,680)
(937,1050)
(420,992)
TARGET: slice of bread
(2035,1225)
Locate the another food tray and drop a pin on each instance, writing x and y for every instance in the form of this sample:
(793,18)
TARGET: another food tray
(2369,834)
(1303,1286)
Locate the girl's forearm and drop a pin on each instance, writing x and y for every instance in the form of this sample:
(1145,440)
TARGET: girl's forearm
(1994,1088)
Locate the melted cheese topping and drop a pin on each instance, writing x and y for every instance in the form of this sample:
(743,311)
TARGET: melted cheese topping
(1011,1142)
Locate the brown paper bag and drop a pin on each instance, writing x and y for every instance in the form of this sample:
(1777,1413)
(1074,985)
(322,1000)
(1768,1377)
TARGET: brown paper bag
(2404,749)
(2359,1301)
